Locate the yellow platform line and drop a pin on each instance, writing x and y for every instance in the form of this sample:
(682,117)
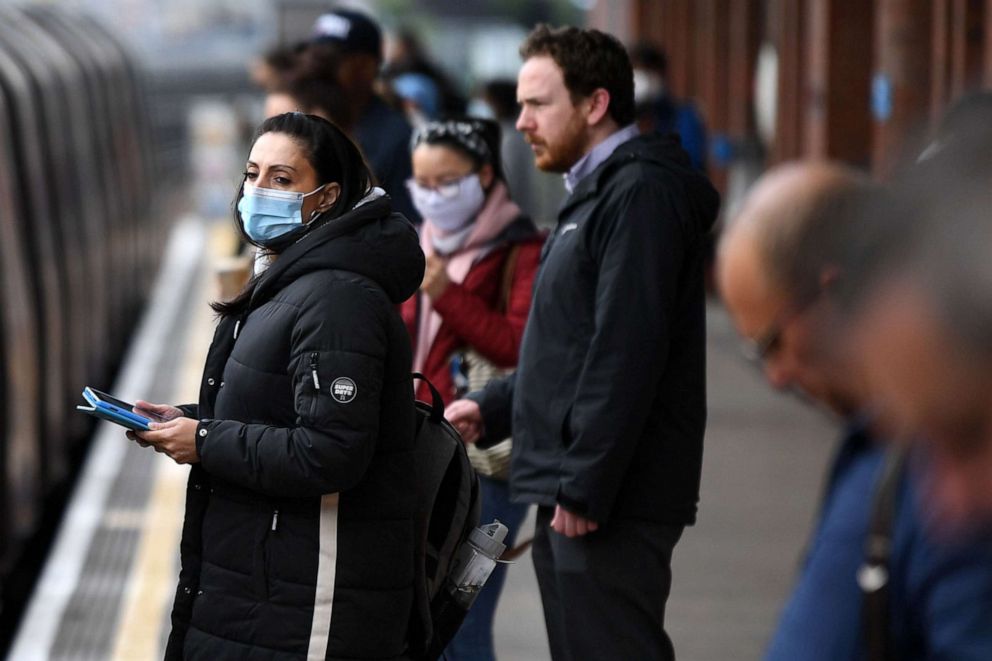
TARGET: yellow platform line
(152,582)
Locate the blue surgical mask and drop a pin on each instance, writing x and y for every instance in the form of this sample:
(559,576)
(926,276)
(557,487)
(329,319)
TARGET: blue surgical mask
(269,214)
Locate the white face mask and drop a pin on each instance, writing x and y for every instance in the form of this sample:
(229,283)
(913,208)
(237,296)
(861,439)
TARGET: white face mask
(449,207)
(647,85)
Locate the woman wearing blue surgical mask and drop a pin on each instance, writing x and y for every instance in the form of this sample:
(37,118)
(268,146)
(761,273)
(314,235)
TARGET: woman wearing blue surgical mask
(468,319)
(298,540)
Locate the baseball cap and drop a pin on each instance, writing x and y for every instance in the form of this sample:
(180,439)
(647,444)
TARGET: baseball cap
(350,31)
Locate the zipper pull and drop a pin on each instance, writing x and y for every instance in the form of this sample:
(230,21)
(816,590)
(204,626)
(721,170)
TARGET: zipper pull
(313,370)
(275,520)
(237,327)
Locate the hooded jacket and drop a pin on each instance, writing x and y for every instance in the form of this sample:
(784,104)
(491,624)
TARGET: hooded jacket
(608,404)
(298,540)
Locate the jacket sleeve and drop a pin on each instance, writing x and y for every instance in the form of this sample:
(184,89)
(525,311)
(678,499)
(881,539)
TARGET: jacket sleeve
(338,353)
(952,585)
(496,404)
(494,334)
(189,410)
(638,251)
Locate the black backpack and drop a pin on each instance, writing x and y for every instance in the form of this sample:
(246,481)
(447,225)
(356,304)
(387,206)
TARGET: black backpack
(447,511)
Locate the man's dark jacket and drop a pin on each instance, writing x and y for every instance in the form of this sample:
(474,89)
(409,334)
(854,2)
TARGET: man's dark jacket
(299,534)
(609,398)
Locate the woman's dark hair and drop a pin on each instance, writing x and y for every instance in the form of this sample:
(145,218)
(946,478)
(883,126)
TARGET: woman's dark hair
(589,60)
(480,140)
(335,159)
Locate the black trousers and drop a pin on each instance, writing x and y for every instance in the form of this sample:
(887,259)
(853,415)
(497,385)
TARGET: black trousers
(604,594)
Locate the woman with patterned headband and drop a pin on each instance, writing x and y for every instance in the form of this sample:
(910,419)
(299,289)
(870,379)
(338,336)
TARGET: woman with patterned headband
(468,319)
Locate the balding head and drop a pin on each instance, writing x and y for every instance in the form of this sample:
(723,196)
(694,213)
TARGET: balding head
(790,206)
(773,261)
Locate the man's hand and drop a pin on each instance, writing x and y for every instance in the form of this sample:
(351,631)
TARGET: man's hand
(465,416)
(176,438)
(570,524)
(435,277)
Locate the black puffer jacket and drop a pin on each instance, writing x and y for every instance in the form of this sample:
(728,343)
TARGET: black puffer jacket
(299,536)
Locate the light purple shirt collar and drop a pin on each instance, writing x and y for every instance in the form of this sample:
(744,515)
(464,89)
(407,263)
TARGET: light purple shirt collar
(592,160)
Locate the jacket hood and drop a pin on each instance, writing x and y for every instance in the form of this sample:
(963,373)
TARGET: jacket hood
(666,152)
(369,240)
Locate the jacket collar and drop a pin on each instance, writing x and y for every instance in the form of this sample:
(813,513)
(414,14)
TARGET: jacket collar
(289,262)
(662,150)
(589,186)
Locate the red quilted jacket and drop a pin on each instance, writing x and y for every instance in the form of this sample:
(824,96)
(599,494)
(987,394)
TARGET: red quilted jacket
(472,317)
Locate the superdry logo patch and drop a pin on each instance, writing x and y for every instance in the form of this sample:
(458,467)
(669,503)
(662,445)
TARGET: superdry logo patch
(343,390)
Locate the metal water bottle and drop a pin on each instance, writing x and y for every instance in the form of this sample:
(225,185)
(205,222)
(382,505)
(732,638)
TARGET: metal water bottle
(475,562)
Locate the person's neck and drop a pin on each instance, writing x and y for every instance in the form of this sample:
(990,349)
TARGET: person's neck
(358,101)
(598,134)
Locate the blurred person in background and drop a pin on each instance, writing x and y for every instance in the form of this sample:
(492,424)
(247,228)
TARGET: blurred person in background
(346,48)
(607,407)
(298,539)
(418,96)
(538,193)
(405,55)
(467,322)
(269,69)
(289,86)
(274,72)
(319,97)
(657,107)
(779,266)
(922,311)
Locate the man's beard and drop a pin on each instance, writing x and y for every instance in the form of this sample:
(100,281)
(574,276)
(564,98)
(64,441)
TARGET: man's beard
(567,150)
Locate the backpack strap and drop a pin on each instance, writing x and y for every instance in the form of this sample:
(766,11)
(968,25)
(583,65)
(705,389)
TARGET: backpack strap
(506,282)
(437,402)
(873,575)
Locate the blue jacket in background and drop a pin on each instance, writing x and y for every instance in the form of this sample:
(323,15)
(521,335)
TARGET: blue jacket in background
(940,592)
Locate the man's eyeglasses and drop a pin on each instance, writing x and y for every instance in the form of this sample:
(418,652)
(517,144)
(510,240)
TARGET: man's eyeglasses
(769,343)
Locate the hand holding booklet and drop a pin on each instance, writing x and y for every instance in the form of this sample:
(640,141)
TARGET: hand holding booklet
(102,405)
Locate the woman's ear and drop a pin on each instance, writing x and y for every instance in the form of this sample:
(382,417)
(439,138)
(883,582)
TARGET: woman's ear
(486,176)
(329,197)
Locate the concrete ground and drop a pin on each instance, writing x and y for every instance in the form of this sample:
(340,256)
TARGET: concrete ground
(764,464)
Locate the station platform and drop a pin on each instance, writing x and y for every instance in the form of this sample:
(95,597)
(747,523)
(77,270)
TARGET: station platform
(107,587)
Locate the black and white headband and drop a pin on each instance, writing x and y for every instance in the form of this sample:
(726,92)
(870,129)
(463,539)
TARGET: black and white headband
(465,133)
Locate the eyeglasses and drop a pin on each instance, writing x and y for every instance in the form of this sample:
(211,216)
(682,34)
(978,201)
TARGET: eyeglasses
(769,343)
(447,189)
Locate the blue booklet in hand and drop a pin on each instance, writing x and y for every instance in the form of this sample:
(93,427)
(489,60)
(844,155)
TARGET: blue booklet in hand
(102,405)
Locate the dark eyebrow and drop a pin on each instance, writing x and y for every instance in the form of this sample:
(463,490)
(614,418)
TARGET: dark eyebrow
(274,167)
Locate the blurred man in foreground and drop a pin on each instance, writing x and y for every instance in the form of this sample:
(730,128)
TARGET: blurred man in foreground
(922,312)
(919,598)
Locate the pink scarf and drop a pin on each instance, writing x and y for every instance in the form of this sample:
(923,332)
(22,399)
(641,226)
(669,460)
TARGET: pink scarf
(497,214)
